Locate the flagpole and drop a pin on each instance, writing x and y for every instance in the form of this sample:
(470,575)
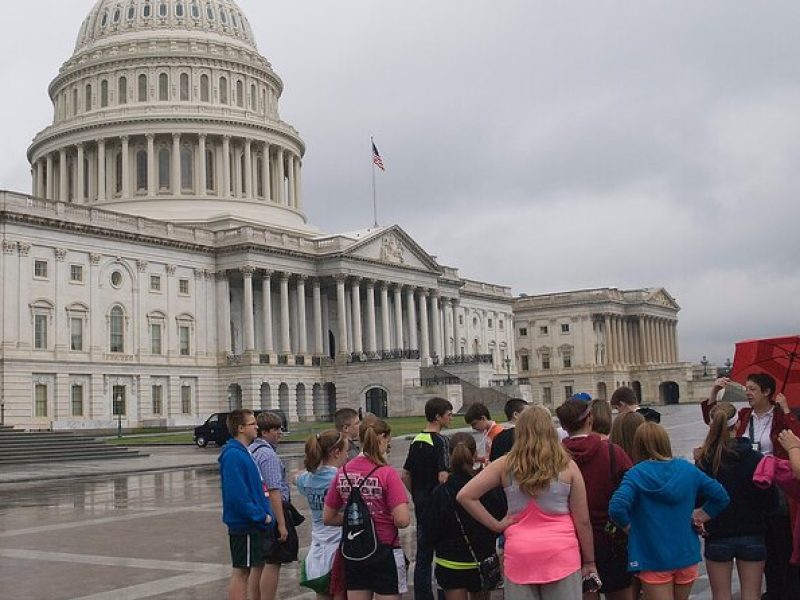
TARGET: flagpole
(374,196)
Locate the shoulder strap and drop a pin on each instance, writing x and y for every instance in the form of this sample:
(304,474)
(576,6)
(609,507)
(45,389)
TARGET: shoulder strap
(358,487)
(461,527)
(752,430)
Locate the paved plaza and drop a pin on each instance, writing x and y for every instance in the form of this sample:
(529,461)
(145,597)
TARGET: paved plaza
(118,531)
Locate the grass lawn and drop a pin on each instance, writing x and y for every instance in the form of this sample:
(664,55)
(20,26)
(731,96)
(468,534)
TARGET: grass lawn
(299,432)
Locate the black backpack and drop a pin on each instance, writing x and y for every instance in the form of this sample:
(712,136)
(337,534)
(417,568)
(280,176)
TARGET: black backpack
(359,541)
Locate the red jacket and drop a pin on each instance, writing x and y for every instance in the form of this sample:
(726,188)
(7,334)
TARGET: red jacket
(780,421)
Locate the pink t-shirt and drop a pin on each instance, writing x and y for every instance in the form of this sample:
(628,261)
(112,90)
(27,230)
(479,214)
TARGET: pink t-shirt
(382,492)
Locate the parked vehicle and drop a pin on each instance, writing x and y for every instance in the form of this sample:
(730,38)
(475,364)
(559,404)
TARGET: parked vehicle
(215,429)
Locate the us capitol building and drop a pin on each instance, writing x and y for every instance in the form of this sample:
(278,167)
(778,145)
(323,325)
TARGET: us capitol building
(163,267)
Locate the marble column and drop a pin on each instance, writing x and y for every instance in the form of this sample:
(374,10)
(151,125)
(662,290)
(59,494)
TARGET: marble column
(319,345)
(224,314)
(79,181)
(101,170)
(372,332)
(290,161)
(298,185)
(63,185)
(456,328)
(201,165)
(424,343)
(609,340)
(398,317)
(126,167)
(265,175)
(247,310)
(675,354)
(286,340)
(302,333)
(448,329)
(626,355)
(341,315)
(280,177)
(176,164)
(152,185)
(355,301)
(248,169)
(326,325)
(266,293)
(385,318)
(412,320)
(50,179)
(226,167)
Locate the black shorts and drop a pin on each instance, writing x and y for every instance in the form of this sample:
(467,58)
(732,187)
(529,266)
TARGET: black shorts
(385,573)
(741,547)
(458,579)
(612,564)
(247,550)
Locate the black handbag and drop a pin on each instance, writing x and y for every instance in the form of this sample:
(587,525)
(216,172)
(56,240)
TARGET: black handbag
(488,568)
(285,552)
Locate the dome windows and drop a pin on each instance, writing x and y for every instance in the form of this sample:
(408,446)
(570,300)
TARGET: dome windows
(88,98)
(163,87)
(223,90)
(147,10)
(163,169)
(187,169)
(234,20)
(223,15)
(195,10)
(122,90)
(104,19)
(210,12)
(117,15)
(240,94)
(163,11)
(142,91)
(131,13)
(204,89)
(179,10)
(141,171)
(184,87)
(104,93)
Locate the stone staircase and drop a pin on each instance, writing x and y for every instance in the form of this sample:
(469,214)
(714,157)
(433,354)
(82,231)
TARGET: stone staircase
(28,447)
(493,398)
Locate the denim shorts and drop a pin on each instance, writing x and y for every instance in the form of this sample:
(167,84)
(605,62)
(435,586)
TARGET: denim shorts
(740,547)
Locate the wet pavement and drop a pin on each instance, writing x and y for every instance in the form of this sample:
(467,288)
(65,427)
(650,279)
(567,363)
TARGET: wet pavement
(150,527)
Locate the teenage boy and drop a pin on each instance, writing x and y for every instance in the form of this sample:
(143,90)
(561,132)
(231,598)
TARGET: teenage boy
(245,509)
(501,445)
(265,452)
(347,422)
(624,400)
(427,465)
(479,418)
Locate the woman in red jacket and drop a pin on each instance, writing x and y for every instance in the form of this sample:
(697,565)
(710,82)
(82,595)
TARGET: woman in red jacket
(762,422)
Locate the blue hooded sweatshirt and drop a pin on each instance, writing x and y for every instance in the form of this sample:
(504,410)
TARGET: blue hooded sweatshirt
(656,498)
(244,502)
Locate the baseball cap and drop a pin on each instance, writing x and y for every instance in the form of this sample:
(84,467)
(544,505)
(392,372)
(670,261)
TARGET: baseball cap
(582,396)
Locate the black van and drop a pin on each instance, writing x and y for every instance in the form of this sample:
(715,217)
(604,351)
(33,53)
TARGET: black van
(215,429)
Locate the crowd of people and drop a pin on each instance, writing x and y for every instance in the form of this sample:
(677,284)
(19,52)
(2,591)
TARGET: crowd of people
(594,505)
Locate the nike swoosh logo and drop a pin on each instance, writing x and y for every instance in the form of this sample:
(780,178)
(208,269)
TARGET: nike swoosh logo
(351,536)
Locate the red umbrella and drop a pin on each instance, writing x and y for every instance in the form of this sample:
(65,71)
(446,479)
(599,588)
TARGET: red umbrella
(779,357)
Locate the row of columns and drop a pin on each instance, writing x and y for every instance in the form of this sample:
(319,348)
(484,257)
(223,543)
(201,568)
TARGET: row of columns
(640,340)
(437,326)
(264,164)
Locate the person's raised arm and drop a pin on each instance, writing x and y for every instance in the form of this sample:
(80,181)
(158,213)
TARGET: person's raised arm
(470,496)
(579,511)
(708,404)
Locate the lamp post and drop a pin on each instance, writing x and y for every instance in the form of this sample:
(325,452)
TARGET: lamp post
(118,410)
(728,365)
(507,362)
(704,362)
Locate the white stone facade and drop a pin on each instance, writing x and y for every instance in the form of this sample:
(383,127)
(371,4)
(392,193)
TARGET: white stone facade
(597,340)
(163,267)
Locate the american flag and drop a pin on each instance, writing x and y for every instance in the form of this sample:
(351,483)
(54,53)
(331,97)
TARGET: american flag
(376,157)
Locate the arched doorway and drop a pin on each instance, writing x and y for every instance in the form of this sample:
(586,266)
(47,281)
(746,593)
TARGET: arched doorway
(318,403)
(266,396)
(234,396)
(283,398)
(300,393)
(637,389)
(602,391)
(330,392)
(378,402)
(669,392)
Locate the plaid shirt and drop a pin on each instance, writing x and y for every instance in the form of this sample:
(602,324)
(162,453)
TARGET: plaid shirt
(271,467)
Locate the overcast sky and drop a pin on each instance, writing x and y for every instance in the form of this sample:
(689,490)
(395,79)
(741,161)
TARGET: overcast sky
(547,146)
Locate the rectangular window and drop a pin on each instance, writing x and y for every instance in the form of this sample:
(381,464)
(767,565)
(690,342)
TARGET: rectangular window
(565,328)
(77,401)
(118,400)
(500,324)
(40,332)
(76,273)
(460,319)
(183,287)
(523,332)
(543,330)
(524,364)
(76,334)
(183,335)
(567,361)
(40,408)
(547,396)
(40,269)
(567,392)
(186,400)
(155,338)
(490,323)
(155,283)
(545,361)
(158,397)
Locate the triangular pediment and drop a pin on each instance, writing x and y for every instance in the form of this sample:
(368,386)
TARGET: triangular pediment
(393,246)
(661,297)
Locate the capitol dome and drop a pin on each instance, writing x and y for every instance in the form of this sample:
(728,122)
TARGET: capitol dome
(167,110)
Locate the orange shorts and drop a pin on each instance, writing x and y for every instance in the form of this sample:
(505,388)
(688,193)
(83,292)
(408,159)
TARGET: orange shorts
(682,576)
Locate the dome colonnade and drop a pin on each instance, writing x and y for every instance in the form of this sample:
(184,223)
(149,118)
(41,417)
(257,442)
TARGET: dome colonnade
(169,108)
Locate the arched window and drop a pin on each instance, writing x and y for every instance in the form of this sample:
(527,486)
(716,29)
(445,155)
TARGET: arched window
(179,9)
(141,171)
(162,9)
(243,174)
(239,94)
(187,169)
(253,98)
(104,93)
(117,330)
(104,20)
(210,12)
(223,90)
(204,93)
(74,102)
(118,173)
(142,88)
(131,12)
(163,169)
(260,177)
(163,87)
(234,20)
(146,10)
(86,172)
(223,15)
(195,10)
(122,91)
(88,97)
(117,15)
(184,87)
(210,170)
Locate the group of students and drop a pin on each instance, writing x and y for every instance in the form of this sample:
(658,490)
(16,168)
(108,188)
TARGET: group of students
(600,507)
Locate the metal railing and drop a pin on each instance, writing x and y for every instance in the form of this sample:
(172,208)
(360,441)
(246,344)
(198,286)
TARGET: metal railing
(464,359)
